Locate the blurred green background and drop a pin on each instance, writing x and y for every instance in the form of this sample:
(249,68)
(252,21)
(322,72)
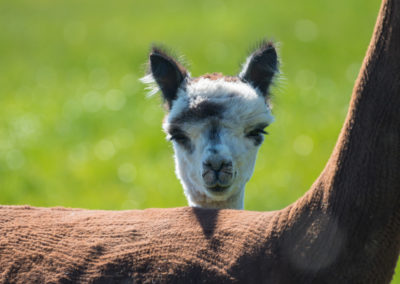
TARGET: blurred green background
(77,130)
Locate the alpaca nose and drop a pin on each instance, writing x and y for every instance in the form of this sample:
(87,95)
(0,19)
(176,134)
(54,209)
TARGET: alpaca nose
(217,170)
(216,164)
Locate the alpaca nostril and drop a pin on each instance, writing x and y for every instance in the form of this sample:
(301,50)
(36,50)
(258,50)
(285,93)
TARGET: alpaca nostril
(214,165)
(207,166)
(217,165)
(227,165)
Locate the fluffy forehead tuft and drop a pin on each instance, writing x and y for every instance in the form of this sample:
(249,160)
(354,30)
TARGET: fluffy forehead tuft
(233,101)
(208,88)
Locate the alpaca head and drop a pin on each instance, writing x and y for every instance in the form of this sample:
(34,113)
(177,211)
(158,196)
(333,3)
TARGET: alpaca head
(216,124)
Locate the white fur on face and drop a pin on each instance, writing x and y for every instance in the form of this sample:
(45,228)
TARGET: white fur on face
(242,110)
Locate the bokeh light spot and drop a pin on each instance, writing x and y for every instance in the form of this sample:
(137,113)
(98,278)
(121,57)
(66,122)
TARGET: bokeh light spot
(123,137)
(92,101)
(127,172)
(115,100)
(5,144)
(303,145)
(15,159)
(99,78)
(26,125)
(78,154)
(306,30)
(306,79)
(281,177)
(104,150)
(129,83)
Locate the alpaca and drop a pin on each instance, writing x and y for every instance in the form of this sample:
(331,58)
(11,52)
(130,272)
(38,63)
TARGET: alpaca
(345,229)
(216,124)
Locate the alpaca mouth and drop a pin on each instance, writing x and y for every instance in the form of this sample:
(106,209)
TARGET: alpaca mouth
(218,188)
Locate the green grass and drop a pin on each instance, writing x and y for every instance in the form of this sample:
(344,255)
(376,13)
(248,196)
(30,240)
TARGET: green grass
(77,130)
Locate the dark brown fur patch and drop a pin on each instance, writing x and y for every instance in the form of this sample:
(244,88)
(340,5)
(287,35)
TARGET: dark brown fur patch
(200,111)
(180,137)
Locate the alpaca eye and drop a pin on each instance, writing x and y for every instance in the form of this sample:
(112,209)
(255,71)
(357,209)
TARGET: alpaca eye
(256,133)
(179,137)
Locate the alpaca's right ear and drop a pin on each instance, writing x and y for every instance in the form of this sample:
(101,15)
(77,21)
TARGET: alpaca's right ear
(261,67)
(168,73)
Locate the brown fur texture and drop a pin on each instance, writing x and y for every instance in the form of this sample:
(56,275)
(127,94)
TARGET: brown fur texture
(345,229)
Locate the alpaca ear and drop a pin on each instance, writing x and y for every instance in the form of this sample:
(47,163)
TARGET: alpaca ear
(261,67)
(168,74)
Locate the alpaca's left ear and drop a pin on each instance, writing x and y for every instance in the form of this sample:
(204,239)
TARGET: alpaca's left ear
(261,67)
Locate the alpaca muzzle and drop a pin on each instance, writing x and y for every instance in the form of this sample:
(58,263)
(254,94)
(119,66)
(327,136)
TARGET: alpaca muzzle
(217,174)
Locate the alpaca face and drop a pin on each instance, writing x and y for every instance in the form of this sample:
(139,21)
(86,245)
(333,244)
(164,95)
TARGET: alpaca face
(216,124)
(216,128)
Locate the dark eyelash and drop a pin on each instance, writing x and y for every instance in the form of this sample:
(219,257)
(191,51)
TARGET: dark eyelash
(178,136)
(257,132)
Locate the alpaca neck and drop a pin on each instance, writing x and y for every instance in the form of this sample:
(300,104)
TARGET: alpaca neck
(363,173)
(358,193)
(197,198)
